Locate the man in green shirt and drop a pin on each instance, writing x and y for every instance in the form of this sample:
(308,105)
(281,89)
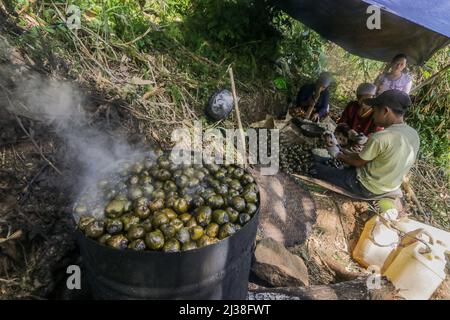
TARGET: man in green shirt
(386,158)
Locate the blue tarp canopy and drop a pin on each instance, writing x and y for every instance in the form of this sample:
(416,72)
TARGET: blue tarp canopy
(415,27)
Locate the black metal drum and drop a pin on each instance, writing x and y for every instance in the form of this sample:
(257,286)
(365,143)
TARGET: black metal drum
(218,271)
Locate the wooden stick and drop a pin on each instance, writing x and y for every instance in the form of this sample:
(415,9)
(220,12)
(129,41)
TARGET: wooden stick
(327,186)
(430,79)
(336,189)
(37,146)
(311,107)
(356,289)
(35,177)
(238,115)
(310,110)
(411,193)
(17,234)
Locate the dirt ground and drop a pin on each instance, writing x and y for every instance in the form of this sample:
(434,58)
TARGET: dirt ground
(35,223)
(327,252)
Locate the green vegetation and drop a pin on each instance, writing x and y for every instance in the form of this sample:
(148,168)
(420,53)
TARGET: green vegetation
(166,57)
(431,112)
(262,44)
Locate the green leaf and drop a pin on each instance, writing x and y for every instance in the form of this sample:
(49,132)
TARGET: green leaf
(280,83)
(426,74)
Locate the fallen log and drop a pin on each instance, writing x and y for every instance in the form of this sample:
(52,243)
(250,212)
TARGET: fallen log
(341,272)
(349,290)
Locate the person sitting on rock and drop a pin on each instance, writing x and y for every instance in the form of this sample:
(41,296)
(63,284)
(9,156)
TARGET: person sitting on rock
(357,115)
(315,96)
(387,156)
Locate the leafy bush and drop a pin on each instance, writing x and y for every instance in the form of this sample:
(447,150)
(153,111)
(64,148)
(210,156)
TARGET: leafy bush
(251,34)
(214,26)
(430,114)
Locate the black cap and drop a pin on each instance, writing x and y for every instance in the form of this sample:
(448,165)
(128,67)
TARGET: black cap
(394,99)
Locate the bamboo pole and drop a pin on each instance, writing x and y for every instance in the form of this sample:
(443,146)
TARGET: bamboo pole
(410,192)
(238,115)
(430,79)
(311,107)
(310,110)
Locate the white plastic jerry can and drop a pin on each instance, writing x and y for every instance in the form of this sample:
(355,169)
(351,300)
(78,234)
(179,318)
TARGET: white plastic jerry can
(417,270)
(376,242)
(440,236)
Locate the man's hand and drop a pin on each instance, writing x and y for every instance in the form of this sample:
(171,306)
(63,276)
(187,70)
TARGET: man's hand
(357,148)
(361,139)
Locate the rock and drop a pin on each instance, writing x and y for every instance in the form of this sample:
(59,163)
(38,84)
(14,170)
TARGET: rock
(276,265)
(331,243)
(356,289)
(287,211)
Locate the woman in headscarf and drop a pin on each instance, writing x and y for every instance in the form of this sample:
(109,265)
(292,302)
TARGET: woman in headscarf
(357,115)
(395,77)
(314,97)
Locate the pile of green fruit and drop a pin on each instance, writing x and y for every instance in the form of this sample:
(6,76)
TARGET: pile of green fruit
(335,163)
(155,204)
(295,158)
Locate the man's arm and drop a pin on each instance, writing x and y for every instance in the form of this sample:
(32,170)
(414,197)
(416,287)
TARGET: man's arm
(372,149)
(351,158)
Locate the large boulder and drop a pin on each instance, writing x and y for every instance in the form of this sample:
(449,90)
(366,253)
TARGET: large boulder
(276,265)
(287,211)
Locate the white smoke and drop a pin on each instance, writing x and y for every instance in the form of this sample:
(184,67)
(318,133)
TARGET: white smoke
(59,104)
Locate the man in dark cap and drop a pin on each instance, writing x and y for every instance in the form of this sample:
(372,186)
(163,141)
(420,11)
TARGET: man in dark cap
(387,156)
(313,98)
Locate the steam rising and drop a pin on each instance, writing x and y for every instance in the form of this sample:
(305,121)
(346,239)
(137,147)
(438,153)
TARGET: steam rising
(60,105)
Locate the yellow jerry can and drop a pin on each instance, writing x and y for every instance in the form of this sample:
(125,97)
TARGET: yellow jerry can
(416,268)
(377,241)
